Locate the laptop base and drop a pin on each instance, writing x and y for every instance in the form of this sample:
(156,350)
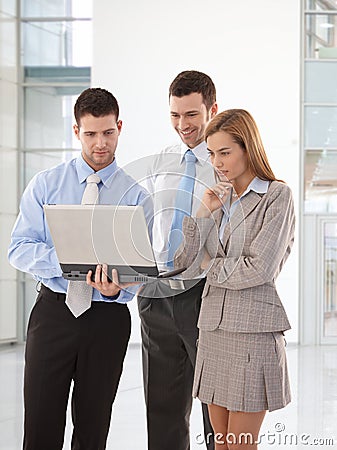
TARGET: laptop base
(78,272)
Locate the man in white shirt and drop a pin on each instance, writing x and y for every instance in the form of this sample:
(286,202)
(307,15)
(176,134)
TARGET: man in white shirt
(169,309)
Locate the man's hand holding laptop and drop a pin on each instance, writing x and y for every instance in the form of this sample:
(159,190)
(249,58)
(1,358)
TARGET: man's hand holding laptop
(107,287)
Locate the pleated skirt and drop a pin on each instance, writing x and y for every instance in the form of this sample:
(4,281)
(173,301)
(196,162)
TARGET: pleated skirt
(242,371)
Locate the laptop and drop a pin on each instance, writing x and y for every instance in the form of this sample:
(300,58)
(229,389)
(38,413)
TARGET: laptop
(87,235)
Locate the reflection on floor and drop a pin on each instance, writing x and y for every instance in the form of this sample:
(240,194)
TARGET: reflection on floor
(310,420)
(330,323)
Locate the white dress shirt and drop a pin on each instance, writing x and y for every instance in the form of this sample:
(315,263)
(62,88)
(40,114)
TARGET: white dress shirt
(162,182)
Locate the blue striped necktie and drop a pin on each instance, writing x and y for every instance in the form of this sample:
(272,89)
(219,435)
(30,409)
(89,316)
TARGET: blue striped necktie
(182,207)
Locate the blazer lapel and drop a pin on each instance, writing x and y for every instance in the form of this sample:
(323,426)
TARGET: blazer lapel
(243,209)
(217,217)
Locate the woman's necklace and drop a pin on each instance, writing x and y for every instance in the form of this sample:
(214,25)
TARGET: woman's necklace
(237,194)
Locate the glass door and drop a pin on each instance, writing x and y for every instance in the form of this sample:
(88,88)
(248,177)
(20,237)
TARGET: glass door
(318,234)
(328,240)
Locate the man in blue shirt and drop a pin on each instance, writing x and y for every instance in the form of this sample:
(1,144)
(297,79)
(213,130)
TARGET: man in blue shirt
(90,349)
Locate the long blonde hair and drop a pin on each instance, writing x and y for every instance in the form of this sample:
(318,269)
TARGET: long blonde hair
(243,129)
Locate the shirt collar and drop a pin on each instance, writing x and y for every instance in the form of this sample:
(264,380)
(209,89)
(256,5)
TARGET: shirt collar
(200,152)
(84,170)
(257,185)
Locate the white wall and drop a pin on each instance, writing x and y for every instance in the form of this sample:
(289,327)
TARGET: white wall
(250,49)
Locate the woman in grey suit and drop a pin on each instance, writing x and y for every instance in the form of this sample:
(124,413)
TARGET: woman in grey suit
(245,229)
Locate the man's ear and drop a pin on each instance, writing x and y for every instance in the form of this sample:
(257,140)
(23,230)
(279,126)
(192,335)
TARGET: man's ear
(76,129)
(213,110)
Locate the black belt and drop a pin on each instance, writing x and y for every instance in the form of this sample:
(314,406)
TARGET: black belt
(56,295)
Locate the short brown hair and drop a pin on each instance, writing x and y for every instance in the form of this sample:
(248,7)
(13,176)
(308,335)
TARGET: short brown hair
(243,130)
(191,81)
(95,101)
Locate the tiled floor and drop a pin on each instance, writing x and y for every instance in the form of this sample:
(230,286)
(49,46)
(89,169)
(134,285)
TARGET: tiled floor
(311,416)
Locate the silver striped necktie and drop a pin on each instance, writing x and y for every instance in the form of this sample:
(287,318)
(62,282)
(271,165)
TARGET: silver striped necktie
(79,293)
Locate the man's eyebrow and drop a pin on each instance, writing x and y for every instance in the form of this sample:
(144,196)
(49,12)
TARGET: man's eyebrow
(186,112)
(104,131)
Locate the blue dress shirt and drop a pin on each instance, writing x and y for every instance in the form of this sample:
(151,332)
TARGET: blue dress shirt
(31,249)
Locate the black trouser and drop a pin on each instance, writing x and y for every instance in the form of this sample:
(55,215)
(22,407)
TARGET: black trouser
(60,348)
(169,339)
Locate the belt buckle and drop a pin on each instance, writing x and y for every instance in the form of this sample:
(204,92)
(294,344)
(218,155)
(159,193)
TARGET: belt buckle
(177,284)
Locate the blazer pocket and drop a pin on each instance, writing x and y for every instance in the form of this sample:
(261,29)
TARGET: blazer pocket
(263,294)
(211,307)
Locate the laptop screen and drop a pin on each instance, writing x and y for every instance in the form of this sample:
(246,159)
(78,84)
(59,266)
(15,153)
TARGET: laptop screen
(87,235)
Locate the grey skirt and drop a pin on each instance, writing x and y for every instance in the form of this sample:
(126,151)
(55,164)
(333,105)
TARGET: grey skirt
(242,371)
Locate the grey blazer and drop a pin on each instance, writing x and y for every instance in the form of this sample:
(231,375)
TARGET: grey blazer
(240,293)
